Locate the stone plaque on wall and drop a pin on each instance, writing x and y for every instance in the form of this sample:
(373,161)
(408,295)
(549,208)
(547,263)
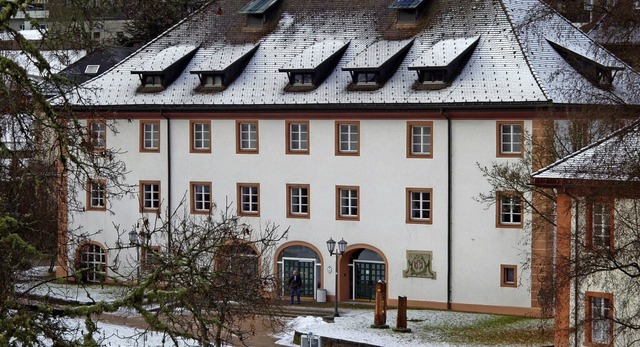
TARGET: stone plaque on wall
(419,265)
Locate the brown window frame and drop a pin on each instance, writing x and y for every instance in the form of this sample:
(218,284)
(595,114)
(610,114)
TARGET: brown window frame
(192,147)
(409,219)
(340,152)
(192,200)
(503,277)
(239,149)
(143,138)
(90,206)
(499,223)
(142,192)
(499,152)
(588,338)
(91,139)
(290,213)
(144,259)
(339,215)
(240,209)
(589,232)
(410,126)
(290,150)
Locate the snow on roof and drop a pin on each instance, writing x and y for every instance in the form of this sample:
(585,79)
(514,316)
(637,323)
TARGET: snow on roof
(377,54)
(31,35)
(512,62)
(615,158)
(219,57)
(313,56)
(58,60)
(165,58)
(592,52)
(444,52)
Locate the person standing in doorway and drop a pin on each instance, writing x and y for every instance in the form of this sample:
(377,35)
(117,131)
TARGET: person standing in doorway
(295,282)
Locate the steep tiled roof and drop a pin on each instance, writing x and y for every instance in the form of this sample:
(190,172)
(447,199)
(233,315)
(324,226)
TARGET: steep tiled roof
(512,62)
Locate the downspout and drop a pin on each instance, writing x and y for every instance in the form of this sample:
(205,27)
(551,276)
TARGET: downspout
(169,205)
(449,208)
(575,280)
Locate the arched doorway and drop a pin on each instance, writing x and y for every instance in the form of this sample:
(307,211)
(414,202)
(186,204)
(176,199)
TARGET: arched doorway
(366,267)
(307,261)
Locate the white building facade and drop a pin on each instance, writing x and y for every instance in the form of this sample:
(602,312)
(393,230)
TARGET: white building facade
(349,124)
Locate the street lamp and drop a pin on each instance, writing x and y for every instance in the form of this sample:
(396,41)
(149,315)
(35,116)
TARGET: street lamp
(134,241)
(331,246)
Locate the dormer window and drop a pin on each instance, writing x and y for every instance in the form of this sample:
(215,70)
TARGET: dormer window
(301,79)
(307,70)
(221,67)
(257,12)
(160,70)
(212,81)
(432,76)
(407,10)
(366,78)
(372,67)
(154,81)
(439,66)
(596,65)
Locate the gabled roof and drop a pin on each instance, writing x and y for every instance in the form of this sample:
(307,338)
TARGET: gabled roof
(615,158)
(104,59)
(512,64)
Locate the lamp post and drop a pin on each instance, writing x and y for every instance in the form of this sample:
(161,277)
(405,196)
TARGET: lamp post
(134,241)
(331,246)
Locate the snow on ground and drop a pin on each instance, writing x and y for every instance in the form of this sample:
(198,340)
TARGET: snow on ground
(355,325)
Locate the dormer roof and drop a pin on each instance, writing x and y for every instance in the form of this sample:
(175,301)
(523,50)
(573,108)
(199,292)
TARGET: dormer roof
(257,6)
(318,61)
(445,52)
(163,68)
(406,4)
(382,58)
(225,62)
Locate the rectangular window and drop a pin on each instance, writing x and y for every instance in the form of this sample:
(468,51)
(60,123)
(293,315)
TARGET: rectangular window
(150,257)
(419,205)
(97,195)
(298,201)
(600,225)
(510,135)
(149,196)
(347,138)
(366,78)
(249,199)
(149,136)
(599,319)
(297,137)
(509,206)
(347,199)
(98,135)
(200,136)
(247,135)
(201,197)
(508,276)
(419,139)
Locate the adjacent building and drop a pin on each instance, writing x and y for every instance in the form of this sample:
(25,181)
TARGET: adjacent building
(365,121)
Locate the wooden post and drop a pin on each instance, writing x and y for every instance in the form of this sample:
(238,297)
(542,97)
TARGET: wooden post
(401,321)
(380,316)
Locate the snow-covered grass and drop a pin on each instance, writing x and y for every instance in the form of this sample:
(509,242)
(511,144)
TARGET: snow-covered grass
(428,328)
